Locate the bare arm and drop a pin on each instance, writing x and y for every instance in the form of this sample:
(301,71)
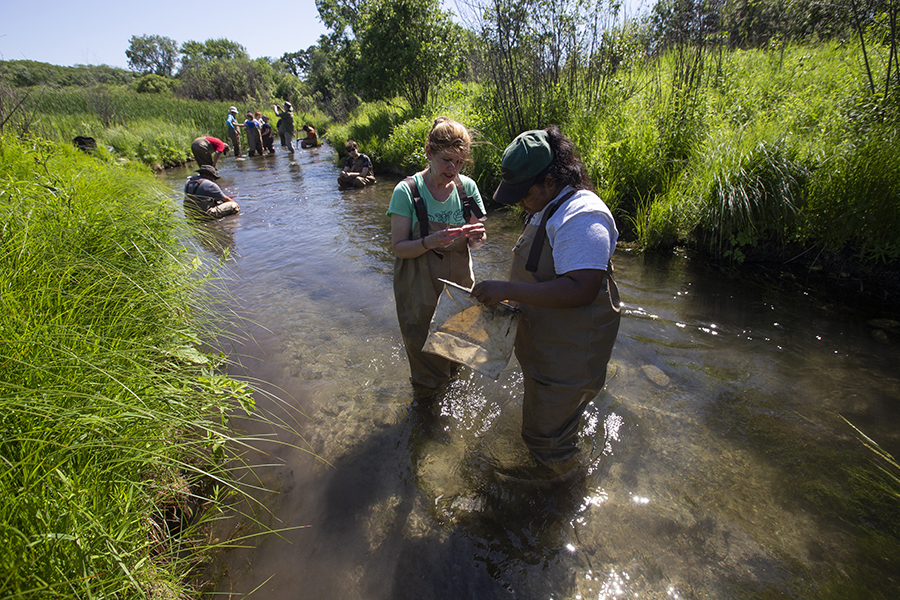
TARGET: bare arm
(570,290)
(404,247)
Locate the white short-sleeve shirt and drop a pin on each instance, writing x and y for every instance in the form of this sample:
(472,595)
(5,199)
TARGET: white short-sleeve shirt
(582,232)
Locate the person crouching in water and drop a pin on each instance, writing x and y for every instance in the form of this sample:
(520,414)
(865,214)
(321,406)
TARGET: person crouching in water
(358,169)
(561,279)
(208,149)
(204,199)
(312,138)
(435,220)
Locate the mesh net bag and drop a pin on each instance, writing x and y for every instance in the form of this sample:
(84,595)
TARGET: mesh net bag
(464,330)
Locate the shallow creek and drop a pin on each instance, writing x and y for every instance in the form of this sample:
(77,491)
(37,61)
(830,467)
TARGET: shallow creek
(717,456)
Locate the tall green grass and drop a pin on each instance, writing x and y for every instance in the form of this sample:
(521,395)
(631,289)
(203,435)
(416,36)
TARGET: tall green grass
(769,153)
(153,129)
(114,429)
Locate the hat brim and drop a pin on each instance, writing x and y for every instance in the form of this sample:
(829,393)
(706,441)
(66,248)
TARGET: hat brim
(512,193)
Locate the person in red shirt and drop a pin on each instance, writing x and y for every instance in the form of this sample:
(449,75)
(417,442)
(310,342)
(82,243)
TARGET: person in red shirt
(207,150)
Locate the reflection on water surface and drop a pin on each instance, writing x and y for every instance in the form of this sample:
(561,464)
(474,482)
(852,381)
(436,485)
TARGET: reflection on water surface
(717,464)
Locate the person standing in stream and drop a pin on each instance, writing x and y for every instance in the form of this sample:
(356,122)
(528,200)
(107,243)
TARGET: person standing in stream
(287,124)
(436,218)
(234,134)
(561,279)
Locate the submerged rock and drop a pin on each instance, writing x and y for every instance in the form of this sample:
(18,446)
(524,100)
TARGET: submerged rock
(656,375)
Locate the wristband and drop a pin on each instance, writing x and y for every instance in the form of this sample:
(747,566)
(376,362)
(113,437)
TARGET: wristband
(423,244)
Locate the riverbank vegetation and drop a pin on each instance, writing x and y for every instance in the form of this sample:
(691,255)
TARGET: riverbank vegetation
(750,134)
(115,443)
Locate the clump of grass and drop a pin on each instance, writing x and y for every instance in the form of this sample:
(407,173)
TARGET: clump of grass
(854,196)
(113,427)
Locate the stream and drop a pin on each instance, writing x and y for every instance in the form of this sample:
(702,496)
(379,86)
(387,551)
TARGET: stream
(719,464)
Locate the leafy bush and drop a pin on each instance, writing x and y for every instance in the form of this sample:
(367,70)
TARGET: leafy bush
(153,84)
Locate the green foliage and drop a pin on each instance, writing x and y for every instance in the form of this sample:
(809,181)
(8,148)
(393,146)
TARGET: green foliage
(212,49)
(156,54)
(217,79)
(26,73)
(156,129)
(855,195)
(373,127)
(153,84)
(744,193)
(407,48)
(109,416)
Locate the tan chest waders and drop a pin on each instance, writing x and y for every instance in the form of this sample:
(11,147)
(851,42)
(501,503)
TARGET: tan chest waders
(563,352)
(416,291)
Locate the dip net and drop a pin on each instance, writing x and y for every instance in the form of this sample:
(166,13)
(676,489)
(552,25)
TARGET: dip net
(468,332)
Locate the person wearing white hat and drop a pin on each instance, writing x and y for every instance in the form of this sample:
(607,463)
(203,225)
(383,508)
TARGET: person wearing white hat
(233,133)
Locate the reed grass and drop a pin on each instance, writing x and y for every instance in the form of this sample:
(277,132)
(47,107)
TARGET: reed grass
(114,437)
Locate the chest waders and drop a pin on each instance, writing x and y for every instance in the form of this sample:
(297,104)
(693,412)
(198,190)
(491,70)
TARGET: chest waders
(204,207)
(416,292)
(563,352)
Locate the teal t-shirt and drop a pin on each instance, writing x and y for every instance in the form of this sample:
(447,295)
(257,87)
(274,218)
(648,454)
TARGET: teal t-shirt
(449,211)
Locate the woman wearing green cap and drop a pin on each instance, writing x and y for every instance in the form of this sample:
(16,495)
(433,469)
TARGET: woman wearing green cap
(435,219)
(561,278)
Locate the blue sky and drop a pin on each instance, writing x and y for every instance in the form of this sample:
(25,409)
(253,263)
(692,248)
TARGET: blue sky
(95,32)
(69,32)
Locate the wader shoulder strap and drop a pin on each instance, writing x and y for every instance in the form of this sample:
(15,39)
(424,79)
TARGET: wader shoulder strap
(421,212)
(419,204)
(469,206)
(534,256)
(193,191)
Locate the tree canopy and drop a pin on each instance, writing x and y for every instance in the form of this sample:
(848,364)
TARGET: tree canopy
(156,54)
(407,47)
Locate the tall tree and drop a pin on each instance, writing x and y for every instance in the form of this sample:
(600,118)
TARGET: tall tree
(152,54)
(407,47)
(195,53)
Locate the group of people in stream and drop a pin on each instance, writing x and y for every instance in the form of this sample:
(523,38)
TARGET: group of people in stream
(260,134)
(203,197)
(561,276)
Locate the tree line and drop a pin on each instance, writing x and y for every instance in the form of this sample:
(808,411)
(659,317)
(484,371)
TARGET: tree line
(535,56)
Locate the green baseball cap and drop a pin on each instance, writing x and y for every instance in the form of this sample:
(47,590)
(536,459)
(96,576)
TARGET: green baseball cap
(524,160)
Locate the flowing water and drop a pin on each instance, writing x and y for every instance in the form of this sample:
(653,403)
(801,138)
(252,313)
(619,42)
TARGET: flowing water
(719,464)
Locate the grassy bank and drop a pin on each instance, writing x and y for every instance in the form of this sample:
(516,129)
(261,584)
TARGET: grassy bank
(154,129)
(770,155)
(113,427)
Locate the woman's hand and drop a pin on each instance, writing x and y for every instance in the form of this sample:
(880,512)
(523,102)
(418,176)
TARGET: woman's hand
(444,238)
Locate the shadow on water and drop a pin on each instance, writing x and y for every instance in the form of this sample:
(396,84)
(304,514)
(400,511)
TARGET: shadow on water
(717,465)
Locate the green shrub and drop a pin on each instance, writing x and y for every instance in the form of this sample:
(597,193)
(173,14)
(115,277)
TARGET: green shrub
(854,199)
(153,84)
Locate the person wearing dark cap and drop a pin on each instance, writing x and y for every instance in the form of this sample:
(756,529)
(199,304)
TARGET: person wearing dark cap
(204,199)
(561,279)
(287,124)
(207,150)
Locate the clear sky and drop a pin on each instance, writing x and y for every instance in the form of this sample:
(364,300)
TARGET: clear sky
(95,32)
